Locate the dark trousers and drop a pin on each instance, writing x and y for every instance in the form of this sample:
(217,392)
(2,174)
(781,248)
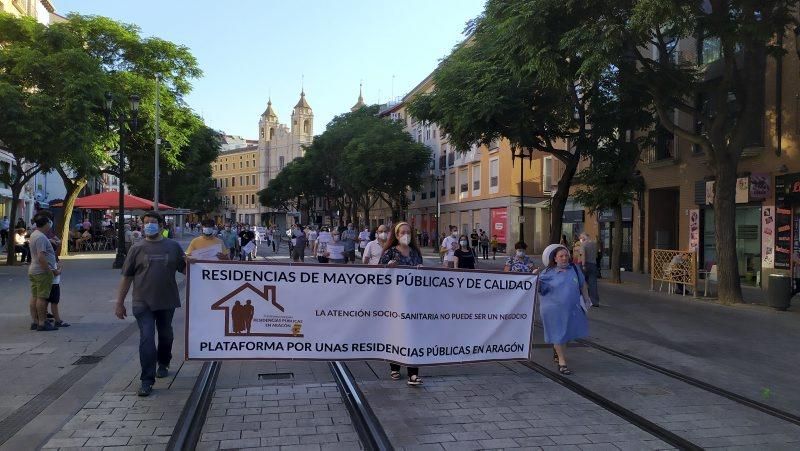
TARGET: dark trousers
(25,251)
(149,322)
(485,251)
(591,272)
(412,370)
(3,237)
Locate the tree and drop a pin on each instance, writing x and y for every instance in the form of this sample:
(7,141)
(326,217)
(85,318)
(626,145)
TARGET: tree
(725,97)
(49,92)
(191,186)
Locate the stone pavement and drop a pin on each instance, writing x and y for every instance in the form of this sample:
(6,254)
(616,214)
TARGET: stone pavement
(494,406)
(277,405)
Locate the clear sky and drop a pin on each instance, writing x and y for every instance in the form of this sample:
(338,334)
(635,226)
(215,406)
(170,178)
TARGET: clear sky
(251,49)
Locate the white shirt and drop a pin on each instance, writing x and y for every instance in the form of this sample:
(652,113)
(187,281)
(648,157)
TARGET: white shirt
(312,235)
(323,239)
(447,243)
(373,253)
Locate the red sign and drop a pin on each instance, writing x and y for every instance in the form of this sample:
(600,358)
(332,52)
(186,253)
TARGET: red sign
(499,222)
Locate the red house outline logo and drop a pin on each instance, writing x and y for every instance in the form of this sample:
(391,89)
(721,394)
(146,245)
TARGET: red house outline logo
(269,294)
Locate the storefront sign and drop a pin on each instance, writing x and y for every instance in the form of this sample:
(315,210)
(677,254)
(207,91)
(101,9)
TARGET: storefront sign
(783,237)
(499,218)
(572,216)
(759,186)
(710,192)
(342,312)
(608,215)
(694,230)
(742,190)
(768,237)
(787,188)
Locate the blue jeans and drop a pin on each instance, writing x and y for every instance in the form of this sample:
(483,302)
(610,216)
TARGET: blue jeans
(149,322)
(591,281)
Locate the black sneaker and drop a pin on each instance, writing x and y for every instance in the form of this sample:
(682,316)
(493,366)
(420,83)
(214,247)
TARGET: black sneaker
(46,327)
(145,390)
(162,371)
(34,326)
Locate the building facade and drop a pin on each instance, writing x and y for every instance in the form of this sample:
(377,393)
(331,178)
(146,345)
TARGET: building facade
(237,174)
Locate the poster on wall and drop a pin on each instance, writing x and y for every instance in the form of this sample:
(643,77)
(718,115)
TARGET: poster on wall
(742,190)
(768,237)
(694,230)
(499,223)
(783,237)
(759,186)
(710,192)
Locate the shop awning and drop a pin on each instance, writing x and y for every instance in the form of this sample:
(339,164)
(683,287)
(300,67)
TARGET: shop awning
(109,200)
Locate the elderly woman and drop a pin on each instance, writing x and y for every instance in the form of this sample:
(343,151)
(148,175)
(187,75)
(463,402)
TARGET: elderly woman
(561,285)
(520,262)
(401,250)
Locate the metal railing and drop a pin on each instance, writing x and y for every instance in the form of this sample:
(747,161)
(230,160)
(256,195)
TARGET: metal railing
(673,268)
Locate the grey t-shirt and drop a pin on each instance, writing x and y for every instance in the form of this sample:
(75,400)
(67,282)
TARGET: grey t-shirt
(39,243)
(349,240)
(589,249)
(153,265)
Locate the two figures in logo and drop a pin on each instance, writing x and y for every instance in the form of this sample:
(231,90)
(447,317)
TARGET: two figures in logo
(243,318)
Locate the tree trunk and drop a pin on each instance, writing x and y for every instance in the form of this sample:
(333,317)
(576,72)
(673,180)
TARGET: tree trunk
(16,190)
(730,290)
(559,201)
(616,246)
(74,187)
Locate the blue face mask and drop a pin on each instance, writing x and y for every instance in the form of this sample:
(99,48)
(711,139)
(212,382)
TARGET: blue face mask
(151,229)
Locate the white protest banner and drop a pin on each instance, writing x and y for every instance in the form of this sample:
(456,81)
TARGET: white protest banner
(344,312)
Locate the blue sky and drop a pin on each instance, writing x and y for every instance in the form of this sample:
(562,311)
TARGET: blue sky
(251,49)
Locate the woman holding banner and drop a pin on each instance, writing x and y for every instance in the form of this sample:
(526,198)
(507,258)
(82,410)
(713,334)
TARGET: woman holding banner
(561,286)
(401,250)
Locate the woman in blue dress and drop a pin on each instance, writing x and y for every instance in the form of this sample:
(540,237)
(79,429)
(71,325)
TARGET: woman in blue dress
(561,285)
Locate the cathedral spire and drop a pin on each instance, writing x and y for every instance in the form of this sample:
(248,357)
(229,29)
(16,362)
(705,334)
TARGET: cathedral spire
(360,104)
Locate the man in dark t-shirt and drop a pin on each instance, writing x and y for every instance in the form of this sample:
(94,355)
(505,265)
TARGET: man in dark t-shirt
(245,237)
(150,267)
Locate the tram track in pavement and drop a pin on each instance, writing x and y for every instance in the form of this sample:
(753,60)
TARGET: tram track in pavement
(186,434)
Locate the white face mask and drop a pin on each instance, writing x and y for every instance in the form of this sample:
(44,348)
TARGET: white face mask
(405,239)
(562,265)
(382,236)
(455,234)
(520,253)
(208,230)
(336,238)
(463,243)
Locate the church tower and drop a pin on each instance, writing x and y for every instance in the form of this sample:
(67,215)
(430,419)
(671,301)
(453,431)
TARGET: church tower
(268,123)
(360,104)
(303,120)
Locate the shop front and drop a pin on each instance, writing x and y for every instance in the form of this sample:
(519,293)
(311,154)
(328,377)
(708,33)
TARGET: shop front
(606,225)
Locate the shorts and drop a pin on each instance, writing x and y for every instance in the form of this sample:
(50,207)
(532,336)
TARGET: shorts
(55,294)
(41,284)
(350,256)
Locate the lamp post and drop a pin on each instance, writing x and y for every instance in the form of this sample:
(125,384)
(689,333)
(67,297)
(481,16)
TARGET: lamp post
(119,260)
(521,153)
(437,176)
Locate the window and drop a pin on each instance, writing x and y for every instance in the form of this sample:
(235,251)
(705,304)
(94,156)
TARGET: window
(240,181)
(476,180)
(709,49)
(241,165)
(247,163)
(442,161)
(240,199)
(494,175)
(280,163)
(233,200)
(547,174)
(254,162)
(463,181)
(233,181)
(253,199)
(452,183)
(451,159)
(423,195)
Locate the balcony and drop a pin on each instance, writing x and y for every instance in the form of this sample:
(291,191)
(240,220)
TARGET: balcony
(656,157)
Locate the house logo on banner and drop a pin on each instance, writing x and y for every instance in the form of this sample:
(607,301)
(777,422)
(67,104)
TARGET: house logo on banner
(250,312)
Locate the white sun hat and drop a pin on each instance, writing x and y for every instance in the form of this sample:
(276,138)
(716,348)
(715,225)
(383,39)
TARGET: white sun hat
(549,250)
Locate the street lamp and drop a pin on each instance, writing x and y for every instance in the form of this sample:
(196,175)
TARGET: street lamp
(521,153)
(437,175)
(134,100)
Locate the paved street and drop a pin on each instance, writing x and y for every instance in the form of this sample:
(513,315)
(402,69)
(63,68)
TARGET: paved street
(50,401)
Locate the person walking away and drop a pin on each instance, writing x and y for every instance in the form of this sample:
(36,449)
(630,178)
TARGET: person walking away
(374,249)
(5,224)
(561,286)
(519,262)
(363,239)
(349,238)
(335,249)
(299,251)
(449,245)
(484,242)
(22,246)
(245,237)
(464,256)
(20,224)
(228,238)
(493,243)
(311,237)
(425,238)
(150,267)
(402,250)
(41,271)
(473,237)
(208,239)
(590,269)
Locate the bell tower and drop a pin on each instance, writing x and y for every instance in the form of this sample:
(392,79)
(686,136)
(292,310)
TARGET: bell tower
(268,123)
(303,120)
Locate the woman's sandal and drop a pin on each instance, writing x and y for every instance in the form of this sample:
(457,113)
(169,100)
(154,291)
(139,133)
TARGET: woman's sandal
(555,357)
(564,370)
(395,375)
(414,380)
